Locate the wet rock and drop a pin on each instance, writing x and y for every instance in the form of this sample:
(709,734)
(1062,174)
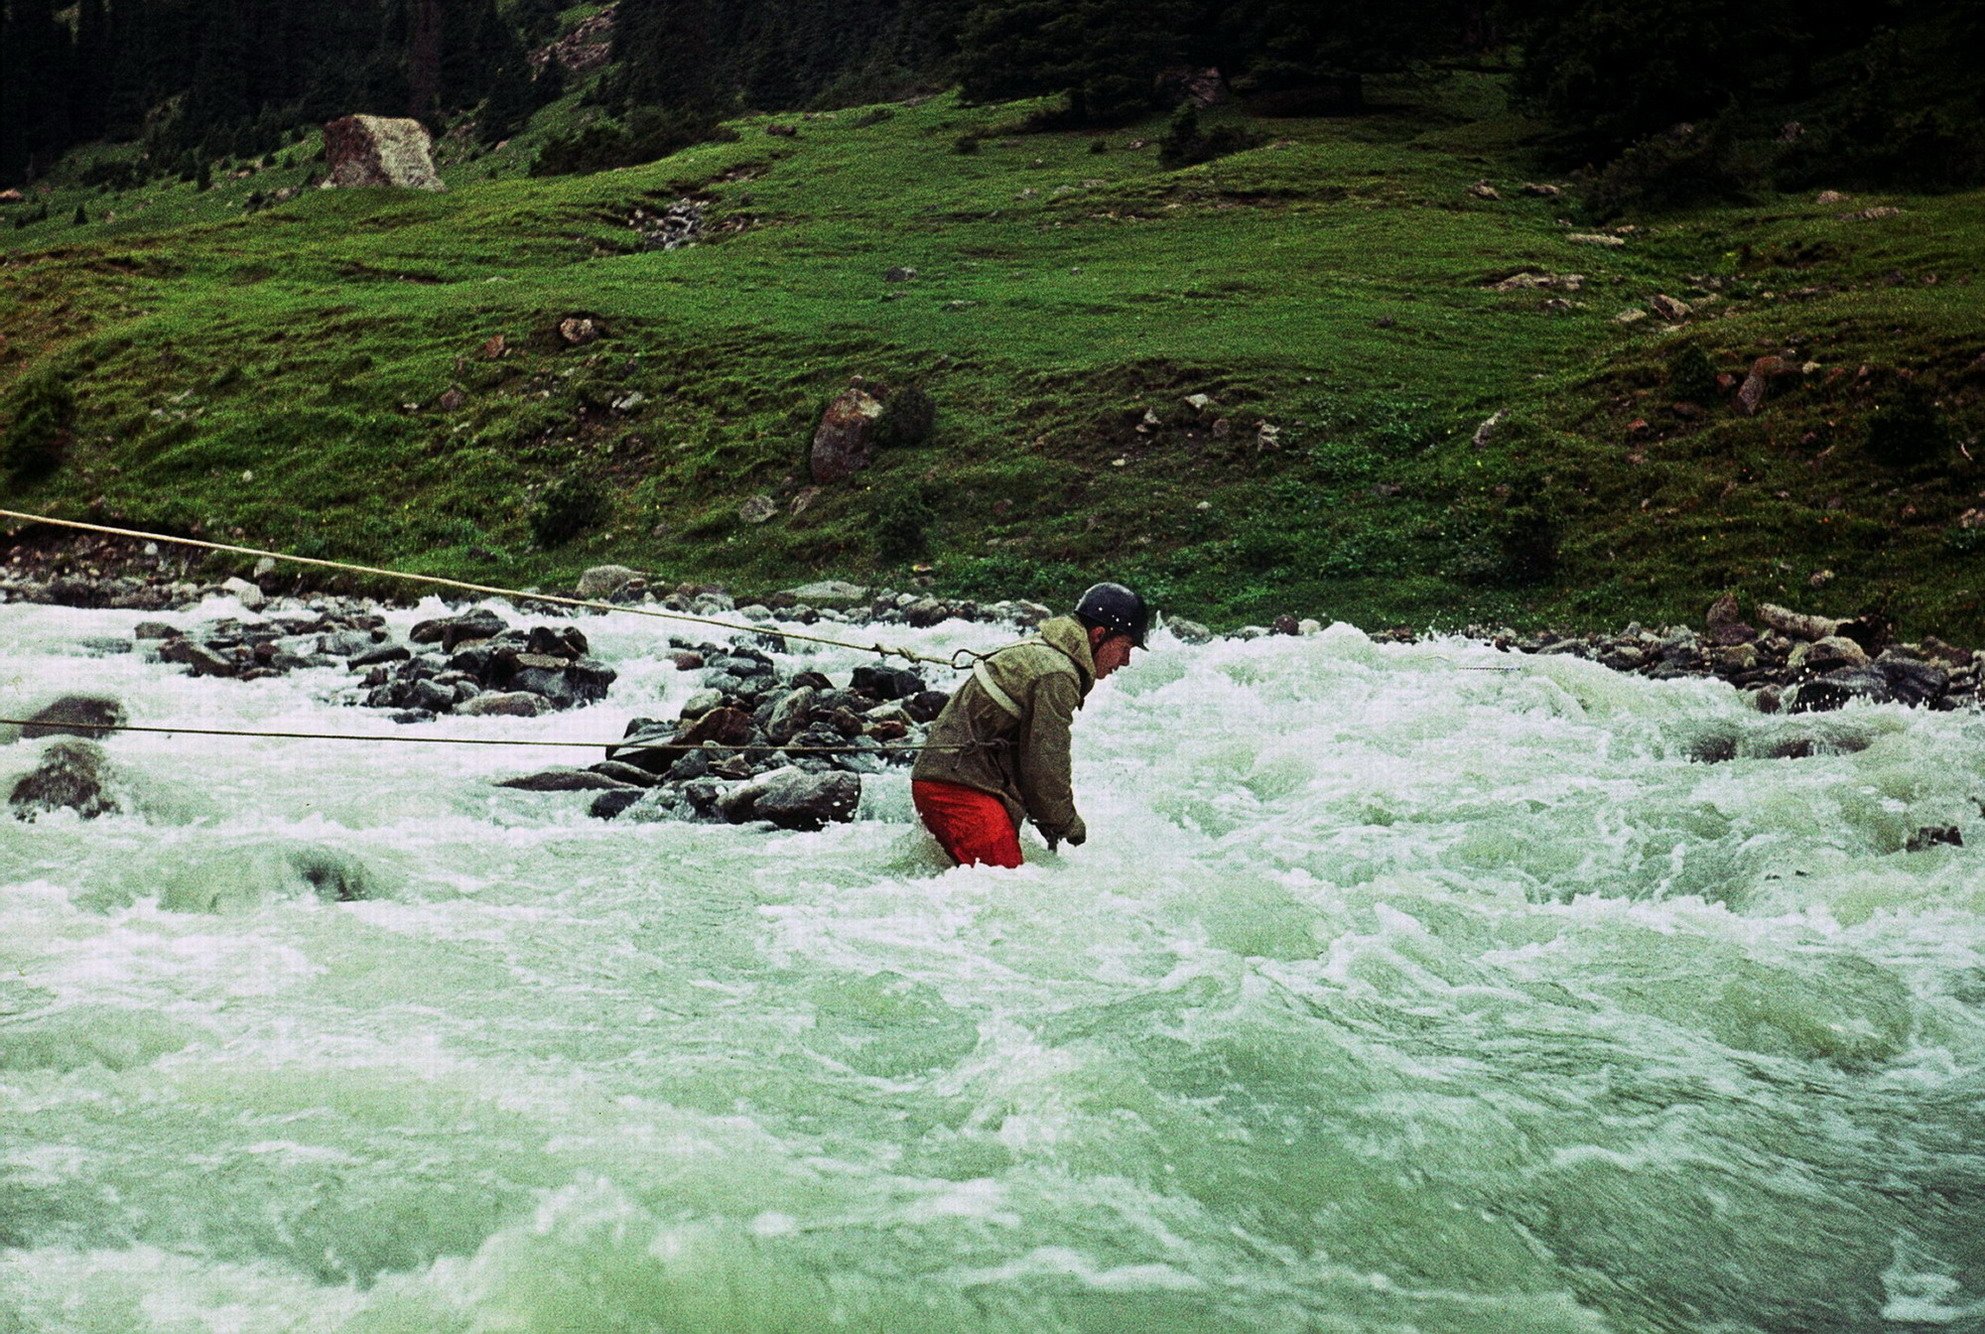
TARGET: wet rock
(504,704)
(885,683)
(201,660)
(647,745)
(72,775)
(684,765)
(1935,836)
(154,630)
(449,631)
(926,612)
(1836,689)
(1914,683)
(610,805)
(1189,632)
(790,714)
(925,705)
(430,696)
(702,702)
(726,727)
(379,654)
(791,798)
(563,779)
(551,684)
(626,773)
(1827,655)
(74,715)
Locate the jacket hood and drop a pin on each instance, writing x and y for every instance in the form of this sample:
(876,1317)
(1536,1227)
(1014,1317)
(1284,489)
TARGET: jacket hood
(1067,635)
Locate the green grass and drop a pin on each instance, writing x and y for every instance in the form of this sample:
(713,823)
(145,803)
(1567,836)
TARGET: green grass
(281,373)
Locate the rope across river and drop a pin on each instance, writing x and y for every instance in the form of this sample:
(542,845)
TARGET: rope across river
(54,728)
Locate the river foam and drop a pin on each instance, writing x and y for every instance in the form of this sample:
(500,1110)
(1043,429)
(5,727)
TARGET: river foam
(1387,994)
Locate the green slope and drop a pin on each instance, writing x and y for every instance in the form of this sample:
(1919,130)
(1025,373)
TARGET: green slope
(282,373)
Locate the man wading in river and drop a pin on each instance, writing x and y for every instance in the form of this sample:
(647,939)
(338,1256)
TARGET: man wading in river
(1000,750)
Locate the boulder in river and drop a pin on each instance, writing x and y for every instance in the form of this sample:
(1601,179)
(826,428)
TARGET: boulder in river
(562,779)
(74,715)
(449,631)
(792,798)
(505,704)
(72,775)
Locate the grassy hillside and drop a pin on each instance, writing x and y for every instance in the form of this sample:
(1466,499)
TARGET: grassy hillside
(287,374)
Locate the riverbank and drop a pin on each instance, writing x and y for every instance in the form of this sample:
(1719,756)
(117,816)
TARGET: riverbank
(1786,660)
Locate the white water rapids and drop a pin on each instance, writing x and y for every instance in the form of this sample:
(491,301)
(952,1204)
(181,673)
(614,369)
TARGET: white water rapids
(1385,996)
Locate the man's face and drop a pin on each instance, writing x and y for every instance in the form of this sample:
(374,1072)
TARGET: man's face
(1112,652)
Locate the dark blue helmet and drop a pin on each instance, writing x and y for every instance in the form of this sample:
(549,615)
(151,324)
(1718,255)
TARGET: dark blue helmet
(1115,607)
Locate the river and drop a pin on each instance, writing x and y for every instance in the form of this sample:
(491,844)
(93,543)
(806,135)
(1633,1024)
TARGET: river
(1386,995)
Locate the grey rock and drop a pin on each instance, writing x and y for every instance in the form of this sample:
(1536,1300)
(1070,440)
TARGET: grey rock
(626,773)
(1189,632)
(563,779)
(202,660)
(552,685)
(1911,682)
(841,441)
(830,593)
(887,682)
(1836,689)
(382,653)
(431,696)
(610,805)
(504,704)
(449,631)
(1933,836)
(72,775)
(154,630)
(791,798)
(604,581)
(345,643)
(702,702)
(250,596)
(646,745)
(790,714)
(690,764)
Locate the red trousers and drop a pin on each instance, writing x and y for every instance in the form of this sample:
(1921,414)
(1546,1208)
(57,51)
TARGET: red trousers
(972,826)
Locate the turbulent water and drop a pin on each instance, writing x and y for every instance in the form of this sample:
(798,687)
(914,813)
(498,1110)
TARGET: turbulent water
(1386,995)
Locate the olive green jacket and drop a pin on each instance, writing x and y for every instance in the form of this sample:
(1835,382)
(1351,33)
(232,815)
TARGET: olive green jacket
(1007,727)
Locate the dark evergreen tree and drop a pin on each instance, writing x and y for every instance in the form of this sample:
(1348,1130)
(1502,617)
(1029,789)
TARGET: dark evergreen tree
(34,94)
(89,88)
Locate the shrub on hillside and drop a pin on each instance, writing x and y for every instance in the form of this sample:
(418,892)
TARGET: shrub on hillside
(1186,144)
(568,507)
(908,417)
(648,134)
(1691,375)
(1680,168)
(41,411)
(965,144)
(902,525)
(1907,429)
(1527,537)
